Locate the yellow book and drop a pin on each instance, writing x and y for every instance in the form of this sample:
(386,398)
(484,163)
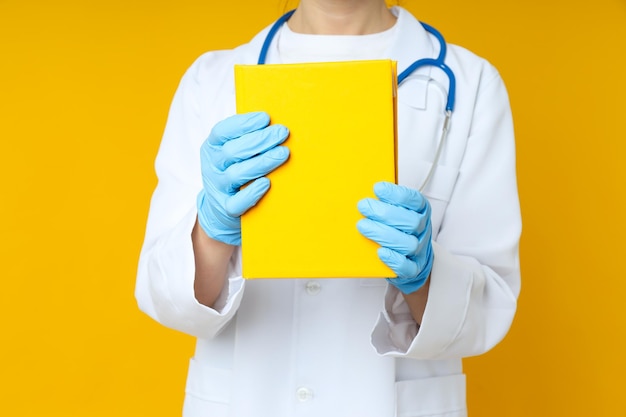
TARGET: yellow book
(342,123)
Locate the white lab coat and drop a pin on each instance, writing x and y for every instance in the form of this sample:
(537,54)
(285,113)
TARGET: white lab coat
(347,347)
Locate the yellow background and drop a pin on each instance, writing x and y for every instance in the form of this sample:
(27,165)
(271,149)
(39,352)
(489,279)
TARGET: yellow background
(84,93)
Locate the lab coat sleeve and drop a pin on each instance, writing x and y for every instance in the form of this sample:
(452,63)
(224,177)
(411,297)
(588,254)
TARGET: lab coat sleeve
(475,280)
(164,286)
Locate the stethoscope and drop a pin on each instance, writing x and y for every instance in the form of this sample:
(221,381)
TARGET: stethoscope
(435,62)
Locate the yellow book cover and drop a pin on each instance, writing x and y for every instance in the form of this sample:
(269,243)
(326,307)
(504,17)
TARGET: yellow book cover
(342,123)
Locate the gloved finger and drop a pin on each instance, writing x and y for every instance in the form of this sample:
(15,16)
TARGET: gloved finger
(259,166)
(249,145)
(405,220)
(389,237)
(238,125)
(399,195)
(403,267)
(246,198)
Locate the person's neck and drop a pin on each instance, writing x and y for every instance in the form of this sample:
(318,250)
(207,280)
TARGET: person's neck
(341,17)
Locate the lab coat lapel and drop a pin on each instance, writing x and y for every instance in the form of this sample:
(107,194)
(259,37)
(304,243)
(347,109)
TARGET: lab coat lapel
(248,54)
(412,43)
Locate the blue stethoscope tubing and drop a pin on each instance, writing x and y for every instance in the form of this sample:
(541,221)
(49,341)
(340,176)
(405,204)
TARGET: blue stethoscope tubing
(438,62)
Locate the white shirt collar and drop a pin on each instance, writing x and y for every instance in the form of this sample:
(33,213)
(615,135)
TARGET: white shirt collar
(292,47)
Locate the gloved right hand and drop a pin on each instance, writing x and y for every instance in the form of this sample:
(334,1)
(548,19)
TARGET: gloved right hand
(240,149)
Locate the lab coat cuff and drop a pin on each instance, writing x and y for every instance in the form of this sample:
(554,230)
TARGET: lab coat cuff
(397,334)
(172,285)
(230,296)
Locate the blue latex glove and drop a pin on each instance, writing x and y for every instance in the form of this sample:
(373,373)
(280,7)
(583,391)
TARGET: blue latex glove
(400,223)
(239,150)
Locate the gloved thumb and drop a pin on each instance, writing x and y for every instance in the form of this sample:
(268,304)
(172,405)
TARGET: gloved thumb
(247,197)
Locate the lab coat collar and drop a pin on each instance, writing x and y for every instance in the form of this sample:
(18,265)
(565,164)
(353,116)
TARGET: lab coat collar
(412,42)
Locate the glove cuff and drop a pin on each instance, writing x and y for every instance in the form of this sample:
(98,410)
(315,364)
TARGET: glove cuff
(205,219)
(410,285)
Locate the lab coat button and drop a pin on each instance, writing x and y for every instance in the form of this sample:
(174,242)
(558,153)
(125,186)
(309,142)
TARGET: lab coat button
(304,394)
(313,287)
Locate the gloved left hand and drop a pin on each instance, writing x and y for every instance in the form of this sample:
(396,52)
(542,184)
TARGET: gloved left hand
(399,221)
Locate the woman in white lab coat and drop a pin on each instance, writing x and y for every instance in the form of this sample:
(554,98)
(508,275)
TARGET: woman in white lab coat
(344,347)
